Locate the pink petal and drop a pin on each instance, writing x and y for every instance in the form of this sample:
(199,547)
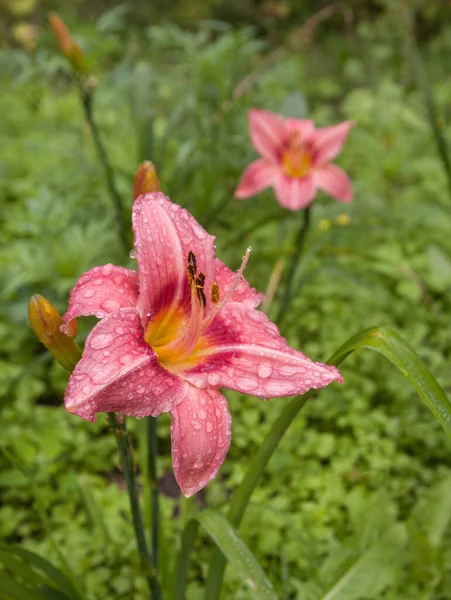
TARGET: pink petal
(164,235)
(304,127)
(244,293)
(101,291)
(268,132)
(259,175)
(294,193)
(334,181)
(328,141)
(247,354)
(200,432)
(119,372)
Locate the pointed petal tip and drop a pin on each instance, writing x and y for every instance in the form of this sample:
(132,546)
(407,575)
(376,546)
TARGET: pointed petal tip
(200,432)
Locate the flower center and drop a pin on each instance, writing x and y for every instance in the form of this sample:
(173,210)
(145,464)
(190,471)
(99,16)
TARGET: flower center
(182,336)
(296,159)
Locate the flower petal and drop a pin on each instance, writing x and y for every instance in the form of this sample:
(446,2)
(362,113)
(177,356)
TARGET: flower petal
(295,193)
(119,372)
(334,181)
(328,141)
(246,353)
(200,432)
(164,235)
(259,175)
(304,127)
(101,291)
(268,132)
(243,292)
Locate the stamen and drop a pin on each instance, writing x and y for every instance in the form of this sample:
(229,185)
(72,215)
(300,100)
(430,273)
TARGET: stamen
(199,285)
(179,348)
(191,269)
(214,289)
(239,274)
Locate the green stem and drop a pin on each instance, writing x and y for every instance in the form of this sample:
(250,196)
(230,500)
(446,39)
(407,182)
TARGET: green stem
(87,101)
(125,452)
(242,494)
(152,449)
(300,242)
(419,69)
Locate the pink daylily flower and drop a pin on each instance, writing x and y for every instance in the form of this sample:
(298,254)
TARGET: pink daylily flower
(174,333)
(295,160)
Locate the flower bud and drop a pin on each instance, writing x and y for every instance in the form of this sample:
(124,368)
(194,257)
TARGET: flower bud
(66,43)
(146,179)
(46,322)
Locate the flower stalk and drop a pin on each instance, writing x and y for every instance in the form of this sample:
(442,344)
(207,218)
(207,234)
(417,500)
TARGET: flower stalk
(152,448)
(86,85)
(119,429)
(87,92)
(300,243)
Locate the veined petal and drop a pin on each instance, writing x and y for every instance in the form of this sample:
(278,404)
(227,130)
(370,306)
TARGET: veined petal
(200,432)
(101,291)
(164,235)
(245,352)
(259,175)
(328,141)
(294,193)
(268,132)
(119,372)
(334,181)
(244,293)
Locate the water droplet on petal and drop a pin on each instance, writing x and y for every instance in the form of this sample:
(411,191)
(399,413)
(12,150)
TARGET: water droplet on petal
(133,252)
(264,370)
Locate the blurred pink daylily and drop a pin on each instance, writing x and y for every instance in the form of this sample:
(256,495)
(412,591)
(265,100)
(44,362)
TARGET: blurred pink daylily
(296,160)
(174,333)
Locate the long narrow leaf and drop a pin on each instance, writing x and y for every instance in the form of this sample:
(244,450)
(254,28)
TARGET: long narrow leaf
(184,559)
(381,339)
(21,568)
(55,575)
(10,589)
(237,553)
(391,345)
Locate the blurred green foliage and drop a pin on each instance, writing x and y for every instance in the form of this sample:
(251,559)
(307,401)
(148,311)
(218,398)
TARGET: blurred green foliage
(357,497)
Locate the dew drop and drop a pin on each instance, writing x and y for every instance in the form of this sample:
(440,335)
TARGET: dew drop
(100,341)
(133,252)
(264,370)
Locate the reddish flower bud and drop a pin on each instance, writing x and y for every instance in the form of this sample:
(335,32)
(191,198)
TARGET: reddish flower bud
(46,322)
(66,43)
(146,180)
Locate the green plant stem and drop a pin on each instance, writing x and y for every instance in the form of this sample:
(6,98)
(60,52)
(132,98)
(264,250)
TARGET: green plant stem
(300,242)
(242,494)
(152,449)
(87,101)
(418,67)
(123,443)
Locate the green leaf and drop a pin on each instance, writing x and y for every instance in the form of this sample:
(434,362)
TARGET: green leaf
(372,571)
(237,553)
(390,344)
(381,339)
(54,575)
(13,590)
(184,559)
(94,511)
(21,568)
